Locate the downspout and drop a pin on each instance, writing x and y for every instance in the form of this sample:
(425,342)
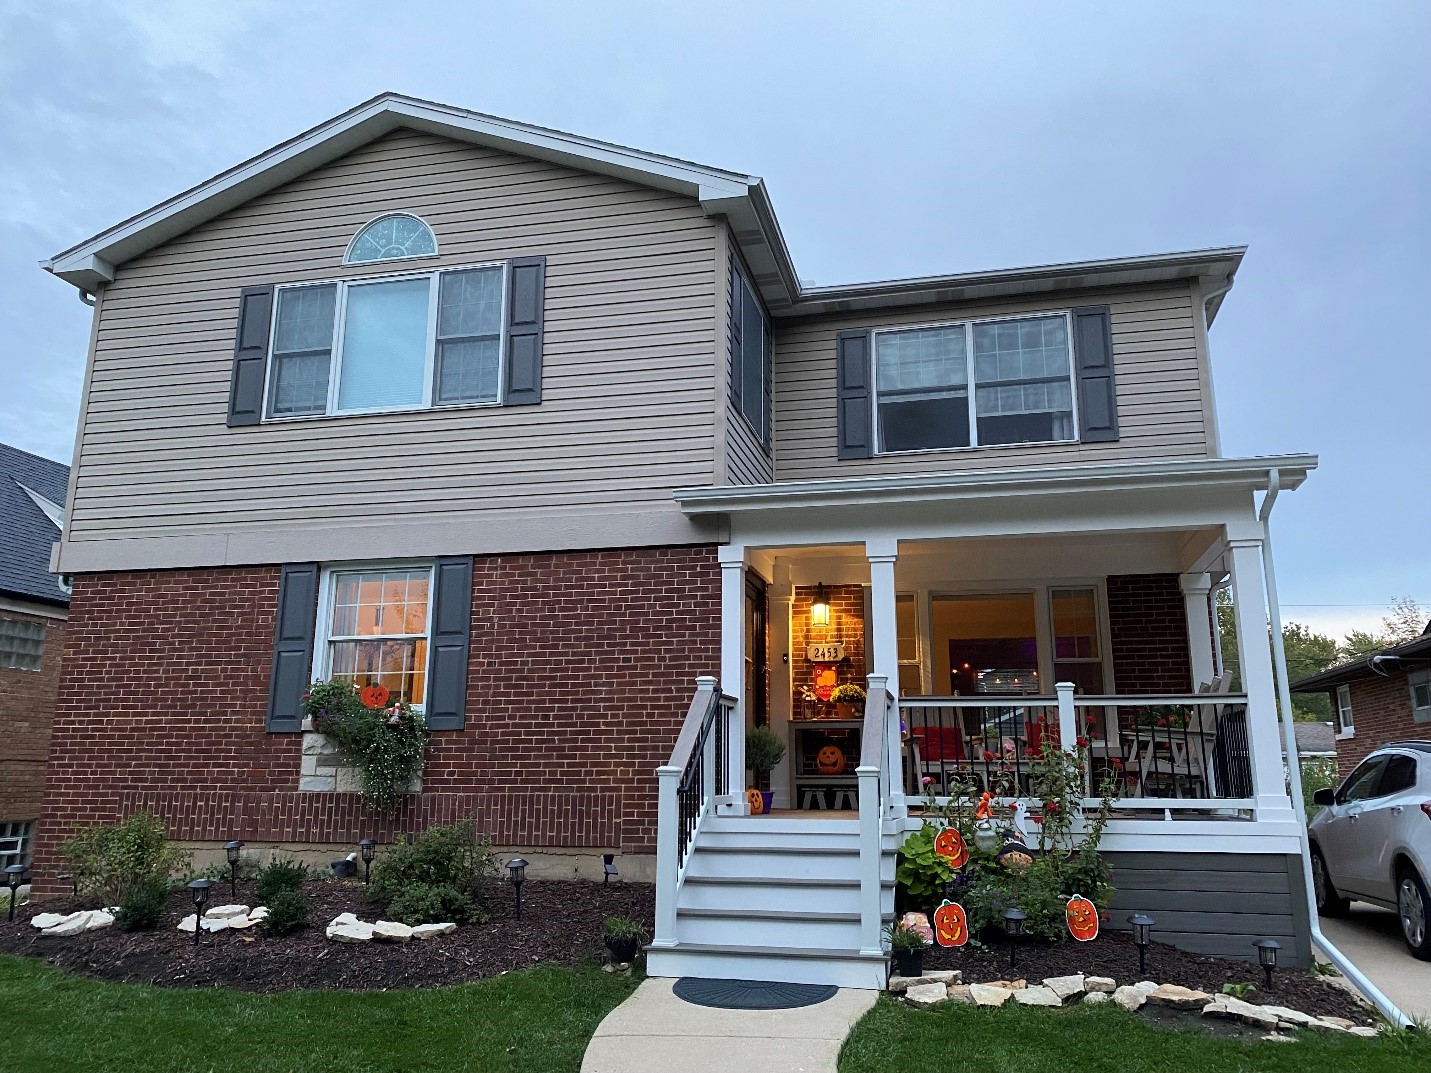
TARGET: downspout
(1294,768)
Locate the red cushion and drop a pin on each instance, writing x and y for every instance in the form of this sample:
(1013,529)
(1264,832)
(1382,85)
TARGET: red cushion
(940,744)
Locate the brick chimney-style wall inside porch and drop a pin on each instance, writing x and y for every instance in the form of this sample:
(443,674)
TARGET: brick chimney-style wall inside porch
(1147,624)
(582,666)
(847,627)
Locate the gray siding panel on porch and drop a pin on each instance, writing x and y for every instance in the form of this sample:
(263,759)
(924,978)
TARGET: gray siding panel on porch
(1215,903)
(1163,409)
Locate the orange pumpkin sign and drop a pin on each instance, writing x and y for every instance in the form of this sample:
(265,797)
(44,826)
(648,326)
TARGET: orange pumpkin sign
(1082,916)
(756,800)
(374,696)
(949,844)
(830,760)
(951,924)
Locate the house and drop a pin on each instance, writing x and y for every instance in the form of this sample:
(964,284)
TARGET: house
(33,607)
(546,435)
(1316,741)
(1378,698)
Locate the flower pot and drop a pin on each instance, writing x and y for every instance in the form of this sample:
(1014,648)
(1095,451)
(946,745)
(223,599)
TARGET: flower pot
(767,797)
(909,962)
(622,950)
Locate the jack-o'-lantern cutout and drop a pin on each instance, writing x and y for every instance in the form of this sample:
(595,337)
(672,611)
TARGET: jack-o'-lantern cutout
(1082,916)
(951,924)
(830,760)
(826,679)
(374,696)
(949,844)
(756,800)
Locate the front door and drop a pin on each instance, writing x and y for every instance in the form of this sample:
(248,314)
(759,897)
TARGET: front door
(757,670)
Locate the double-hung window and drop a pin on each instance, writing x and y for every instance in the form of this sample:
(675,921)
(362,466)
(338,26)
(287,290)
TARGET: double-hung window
(1346,724)
(750,355)
(389,343)
(374,629)
(1420,684)
(975,384)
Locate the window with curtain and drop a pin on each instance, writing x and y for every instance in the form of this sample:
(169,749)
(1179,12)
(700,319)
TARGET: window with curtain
(750,355)
(355,346)
(377,629)
(1020,371)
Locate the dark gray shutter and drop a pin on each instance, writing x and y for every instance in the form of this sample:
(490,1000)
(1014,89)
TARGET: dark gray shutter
(292,646)
(250,355)
(524,330)
(1097,394)
(852,376)
(737,334)
(451,638)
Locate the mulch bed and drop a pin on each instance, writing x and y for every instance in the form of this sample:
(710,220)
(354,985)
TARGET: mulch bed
(561,923)
(1114,954)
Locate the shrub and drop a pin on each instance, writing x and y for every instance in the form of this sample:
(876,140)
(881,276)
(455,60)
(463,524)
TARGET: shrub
(385,744)
(279,876)
(110,861)
(763,749)
(287,912)
(143,906)
(622,928)
(437,878)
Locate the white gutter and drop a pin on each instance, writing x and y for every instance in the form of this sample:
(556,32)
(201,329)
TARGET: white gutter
(1294,771)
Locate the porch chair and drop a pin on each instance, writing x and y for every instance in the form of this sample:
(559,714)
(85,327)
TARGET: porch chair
(938,750)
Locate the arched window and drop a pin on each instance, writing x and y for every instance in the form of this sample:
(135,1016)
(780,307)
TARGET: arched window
(389,237)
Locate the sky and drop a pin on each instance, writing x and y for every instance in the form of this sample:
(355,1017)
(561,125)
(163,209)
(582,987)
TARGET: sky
(897,139)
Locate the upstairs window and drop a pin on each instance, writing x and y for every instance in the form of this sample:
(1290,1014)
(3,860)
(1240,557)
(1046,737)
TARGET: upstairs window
(750,355)
(391,237)
(975,384)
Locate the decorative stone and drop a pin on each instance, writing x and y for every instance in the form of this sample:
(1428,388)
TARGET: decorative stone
(226,912)
(1130,998)
(1094,998)
(343,918)
(989,995)
(899,984)
(1275,1038)
(1100,984)
(1037,995)
(71,925)
(1338,1022)
(429,931)
(1067,988)
(960,993)
(214,925)
(391,931)
(258,914)
(926,996)
(1231,1008)
(1146,986)
(1363,1031)
(350,933)
(189,923)
(1291,1018)
(1179,997)
(99,918)
(1009,985)
(49,920)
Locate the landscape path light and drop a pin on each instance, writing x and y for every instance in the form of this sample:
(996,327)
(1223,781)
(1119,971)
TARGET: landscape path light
(1267,958)
(232,850)
(1141,926)
(369,847)
(1014,928)
(199,890)
(516,872)
(14,875)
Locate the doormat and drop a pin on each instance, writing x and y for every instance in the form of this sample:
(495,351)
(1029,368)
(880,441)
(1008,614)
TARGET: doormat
(751,994)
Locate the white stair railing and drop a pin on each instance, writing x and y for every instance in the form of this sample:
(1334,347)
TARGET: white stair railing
(875,779)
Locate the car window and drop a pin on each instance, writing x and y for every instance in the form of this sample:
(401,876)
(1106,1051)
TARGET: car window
(1398,775)
(1361,782)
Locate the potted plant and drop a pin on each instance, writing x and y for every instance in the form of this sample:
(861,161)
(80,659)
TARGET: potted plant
(763,751)
(622,937)
(847,696)
(906,944)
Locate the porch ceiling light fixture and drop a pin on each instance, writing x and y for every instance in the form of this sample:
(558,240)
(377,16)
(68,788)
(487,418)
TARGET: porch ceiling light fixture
(232,851)
(1014,928)
(1267,958)
(369,848)
(516,872)
(199,890)
(820,609)
(1142,925)
(14,874)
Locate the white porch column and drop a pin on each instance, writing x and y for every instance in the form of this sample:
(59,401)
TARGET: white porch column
(732,673)
(1255,653)
(1196,588)
(884,637)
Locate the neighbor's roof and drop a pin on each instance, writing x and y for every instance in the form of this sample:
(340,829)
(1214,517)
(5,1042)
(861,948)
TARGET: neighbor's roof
(1398,659)
(32,498)
(1315,739)
(742,199)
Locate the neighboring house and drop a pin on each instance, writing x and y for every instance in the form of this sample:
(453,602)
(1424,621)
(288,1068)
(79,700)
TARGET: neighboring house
(1380,698)
(1316,741)
(33,607)
(536,430)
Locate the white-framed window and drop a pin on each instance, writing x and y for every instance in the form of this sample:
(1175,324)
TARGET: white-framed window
(1420,685)
(391,237)
(16,839)
(374,623)
(394,342)
(751,357)
(975,383)
(22,644)
(1345,723)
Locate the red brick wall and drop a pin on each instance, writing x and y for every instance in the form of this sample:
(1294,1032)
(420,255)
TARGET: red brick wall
(847,627)
(582,666)
(1148,627)
(1381,712)
(27,705)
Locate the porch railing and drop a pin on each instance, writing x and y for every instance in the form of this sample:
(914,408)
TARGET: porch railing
(1168,752)
(874,774)
(687,787)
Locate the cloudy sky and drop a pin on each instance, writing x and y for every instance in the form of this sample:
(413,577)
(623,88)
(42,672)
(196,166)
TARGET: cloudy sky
(967,135)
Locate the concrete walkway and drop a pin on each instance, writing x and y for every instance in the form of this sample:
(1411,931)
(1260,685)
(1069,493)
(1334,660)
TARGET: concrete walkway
(1371,937)
(655,1032)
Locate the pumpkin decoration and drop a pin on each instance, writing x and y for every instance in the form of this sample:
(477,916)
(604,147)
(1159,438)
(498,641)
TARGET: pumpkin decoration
(951,924)
(949,844)
(830,760)
(374,696)
(1082,917)
(826,678)
(756,800)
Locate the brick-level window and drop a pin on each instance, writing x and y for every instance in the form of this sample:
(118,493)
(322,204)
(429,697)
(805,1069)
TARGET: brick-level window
(1345,722)
(374,629)
(1420,684)
(16,838)
(22,644)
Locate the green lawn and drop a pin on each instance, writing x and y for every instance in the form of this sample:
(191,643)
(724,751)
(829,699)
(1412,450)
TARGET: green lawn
(964,1039)
(535,1021)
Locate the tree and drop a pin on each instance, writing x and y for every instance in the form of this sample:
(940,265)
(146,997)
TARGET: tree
(1307,653)
(1360,643)
(1406,621)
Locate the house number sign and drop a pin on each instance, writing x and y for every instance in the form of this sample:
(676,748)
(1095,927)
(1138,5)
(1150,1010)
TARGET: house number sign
(825,653)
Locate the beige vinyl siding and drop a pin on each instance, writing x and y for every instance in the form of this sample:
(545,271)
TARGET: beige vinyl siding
(629,384)
(1163,411)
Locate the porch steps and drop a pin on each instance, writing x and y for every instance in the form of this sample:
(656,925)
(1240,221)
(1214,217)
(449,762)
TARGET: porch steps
(775,898)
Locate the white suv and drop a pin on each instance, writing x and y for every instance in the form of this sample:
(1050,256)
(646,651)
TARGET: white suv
(1372,839)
